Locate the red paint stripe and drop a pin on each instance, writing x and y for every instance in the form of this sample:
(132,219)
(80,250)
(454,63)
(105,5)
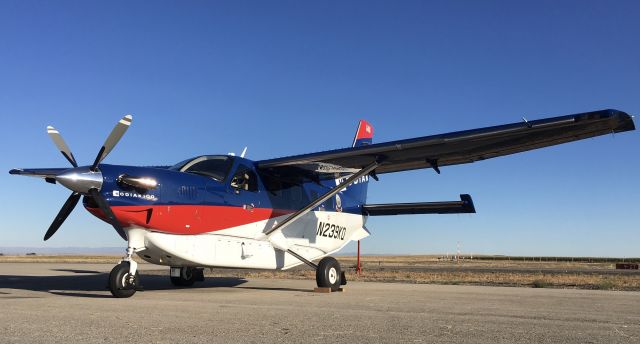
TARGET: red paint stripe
(189,219)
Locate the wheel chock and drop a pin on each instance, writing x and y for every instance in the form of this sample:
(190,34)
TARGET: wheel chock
(327,290)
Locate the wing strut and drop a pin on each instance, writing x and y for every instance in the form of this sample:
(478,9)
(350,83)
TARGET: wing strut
(275,234)
(323,198)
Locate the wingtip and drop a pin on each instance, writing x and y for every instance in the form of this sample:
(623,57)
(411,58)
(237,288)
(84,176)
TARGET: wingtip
(126,120)
(625,121)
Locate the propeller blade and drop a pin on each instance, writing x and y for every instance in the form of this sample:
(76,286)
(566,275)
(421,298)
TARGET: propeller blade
(106,209)
(66,209)
(113,139)
(62,146)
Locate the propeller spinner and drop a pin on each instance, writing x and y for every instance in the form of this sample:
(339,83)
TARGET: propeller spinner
(84,180)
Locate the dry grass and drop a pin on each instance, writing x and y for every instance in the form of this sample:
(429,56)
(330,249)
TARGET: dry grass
(424,260)
(536,280)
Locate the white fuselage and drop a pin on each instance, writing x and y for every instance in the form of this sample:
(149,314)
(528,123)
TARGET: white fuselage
(313,236)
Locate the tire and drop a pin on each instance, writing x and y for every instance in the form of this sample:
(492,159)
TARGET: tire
(118,281)
(186,279)
(328,274)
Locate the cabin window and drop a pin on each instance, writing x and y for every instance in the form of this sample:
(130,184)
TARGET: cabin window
(245,179)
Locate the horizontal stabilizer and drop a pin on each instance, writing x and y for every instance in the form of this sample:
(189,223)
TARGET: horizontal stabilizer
(464,205)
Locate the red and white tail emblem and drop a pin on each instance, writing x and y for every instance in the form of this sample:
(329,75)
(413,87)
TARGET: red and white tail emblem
(365,131)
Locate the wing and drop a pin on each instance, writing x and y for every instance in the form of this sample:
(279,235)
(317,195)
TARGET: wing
(464,146)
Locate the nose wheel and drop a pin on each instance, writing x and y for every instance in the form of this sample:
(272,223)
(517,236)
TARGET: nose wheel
(121,282)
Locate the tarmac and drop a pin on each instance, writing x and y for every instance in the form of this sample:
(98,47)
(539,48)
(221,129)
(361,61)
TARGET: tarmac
(50,303)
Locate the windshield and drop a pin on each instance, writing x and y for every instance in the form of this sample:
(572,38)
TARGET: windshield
(179,165)
(213,166)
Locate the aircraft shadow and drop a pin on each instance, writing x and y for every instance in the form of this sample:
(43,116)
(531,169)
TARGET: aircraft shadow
(88,283)
(92,284)
(76,271)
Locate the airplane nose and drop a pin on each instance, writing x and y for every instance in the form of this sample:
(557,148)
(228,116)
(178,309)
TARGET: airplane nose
(80,179)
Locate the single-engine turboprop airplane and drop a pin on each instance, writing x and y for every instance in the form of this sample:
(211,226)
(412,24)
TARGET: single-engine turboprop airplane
(228,211)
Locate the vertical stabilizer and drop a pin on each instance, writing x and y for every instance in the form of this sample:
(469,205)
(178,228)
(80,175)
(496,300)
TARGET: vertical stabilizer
(358,190)
(364,134)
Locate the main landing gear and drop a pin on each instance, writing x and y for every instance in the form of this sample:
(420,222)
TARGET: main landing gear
(329,274)
(185,276)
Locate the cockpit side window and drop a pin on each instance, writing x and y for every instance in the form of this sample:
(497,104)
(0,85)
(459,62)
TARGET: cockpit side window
(216,167)
(244,179)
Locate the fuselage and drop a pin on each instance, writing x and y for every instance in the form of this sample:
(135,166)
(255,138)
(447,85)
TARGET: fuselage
(213,210)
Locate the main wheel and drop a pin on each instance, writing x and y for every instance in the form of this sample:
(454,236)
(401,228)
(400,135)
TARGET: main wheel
(121,284)
(328,273)
(186,278)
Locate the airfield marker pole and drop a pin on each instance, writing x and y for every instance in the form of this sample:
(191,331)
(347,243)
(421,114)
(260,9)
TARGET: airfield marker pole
(358,268)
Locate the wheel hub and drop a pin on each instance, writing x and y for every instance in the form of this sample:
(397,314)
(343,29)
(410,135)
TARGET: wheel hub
(128,281)
(333,275)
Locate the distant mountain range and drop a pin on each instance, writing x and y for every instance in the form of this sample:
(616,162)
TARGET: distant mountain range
(62,250)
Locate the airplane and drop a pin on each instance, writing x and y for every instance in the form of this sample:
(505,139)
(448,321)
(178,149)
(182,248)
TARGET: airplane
(228,211)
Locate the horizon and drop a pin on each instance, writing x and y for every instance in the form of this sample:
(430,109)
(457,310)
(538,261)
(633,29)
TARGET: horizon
(74,250)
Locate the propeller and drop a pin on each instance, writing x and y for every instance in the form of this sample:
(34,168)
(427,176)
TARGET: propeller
(83,180)
(62,146)
(106,209)
(112,140)
(67,208)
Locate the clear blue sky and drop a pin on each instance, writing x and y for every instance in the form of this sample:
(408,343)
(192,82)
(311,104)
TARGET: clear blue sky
(293,77)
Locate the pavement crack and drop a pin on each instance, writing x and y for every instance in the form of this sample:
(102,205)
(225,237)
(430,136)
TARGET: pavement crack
(622,333)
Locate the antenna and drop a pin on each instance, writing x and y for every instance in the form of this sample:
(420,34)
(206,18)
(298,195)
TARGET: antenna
(244,151)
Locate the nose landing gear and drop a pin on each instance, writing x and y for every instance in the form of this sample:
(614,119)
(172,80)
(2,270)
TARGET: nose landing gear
(122,283)
(124,278)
